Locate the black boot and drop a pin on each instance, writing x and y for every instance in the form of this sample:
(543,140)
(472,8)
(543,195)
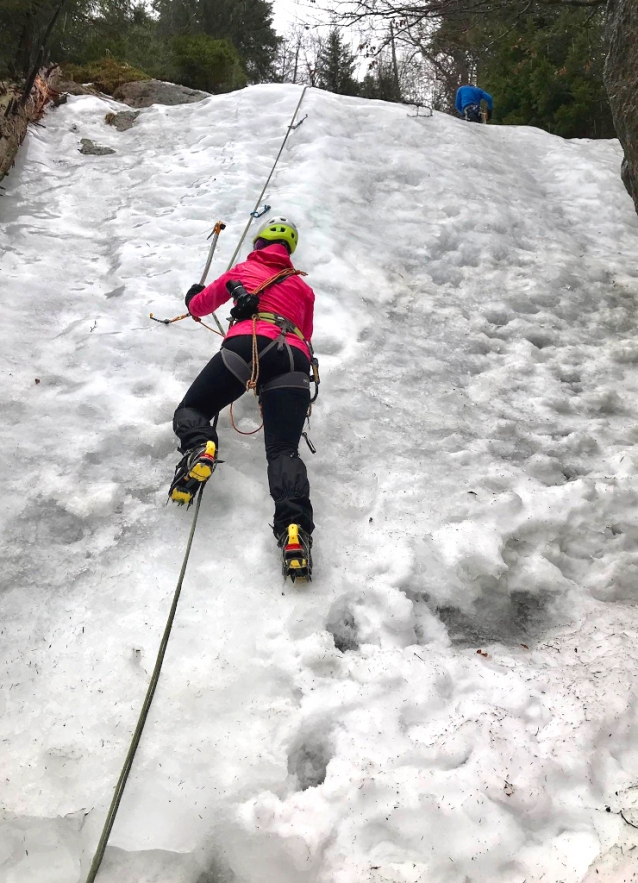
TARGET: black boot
(192,472)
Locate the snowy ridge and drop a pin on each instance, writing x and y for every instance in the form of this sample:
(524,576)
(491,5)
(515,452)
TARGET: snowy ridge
(453,698)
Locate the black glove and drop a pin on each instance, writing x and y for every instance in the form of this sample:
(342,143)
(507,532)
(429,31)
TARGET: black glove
(489,115)
(192,291)
(246,305)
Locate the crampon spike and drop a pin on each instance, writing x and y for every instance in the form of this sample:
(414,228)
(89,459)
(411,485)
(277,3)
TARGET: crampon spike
(296,558)
(192,473)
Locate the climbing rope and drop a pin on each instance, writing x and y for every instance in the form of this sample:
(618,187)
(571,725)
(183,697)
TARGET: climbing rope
(137,735)
(148,699)
(254,372)
(255,213)
(250,384)
(185,316)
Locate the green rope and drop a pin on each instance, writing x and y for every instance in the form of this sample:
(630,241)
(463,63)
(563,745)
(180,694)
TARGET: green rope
(137,735)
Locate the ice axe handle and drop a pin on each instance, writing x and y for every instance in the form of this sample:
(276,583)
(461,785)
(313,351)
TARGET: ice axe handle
(217,229)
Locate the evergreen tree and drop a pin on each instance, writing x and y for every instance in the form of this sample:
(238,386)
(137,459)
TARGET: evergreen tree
(86,30)
(126,31)
(204,63)
(548,72)
(335,66)
(247,24)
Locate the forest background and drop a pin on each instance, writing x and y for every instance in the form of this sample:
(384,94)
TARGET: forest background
(542,61)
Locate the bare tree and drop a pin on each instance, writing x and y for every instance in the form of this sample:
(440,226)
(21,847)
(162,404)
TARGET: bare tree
(407,14)
(296,60)
(289,54)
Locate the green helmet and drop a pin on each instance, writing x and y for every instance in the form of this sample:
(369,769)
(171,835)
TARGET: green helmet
(278,229)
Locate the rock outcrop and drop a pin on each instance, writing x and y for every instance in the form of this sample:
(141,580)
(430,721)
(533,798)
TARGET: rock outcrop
(66,86)
(90,148)
(621,82)
(123,120)
(143,93)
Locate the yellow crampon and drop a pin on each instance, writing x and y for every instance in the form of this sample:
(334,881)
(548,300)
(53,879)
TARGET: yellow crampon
(185,486)
(297,563)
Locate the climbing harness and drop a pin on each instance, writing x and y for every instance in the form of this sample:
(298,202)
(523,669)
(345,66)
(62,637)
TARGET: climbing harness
(248,372)
(288,327)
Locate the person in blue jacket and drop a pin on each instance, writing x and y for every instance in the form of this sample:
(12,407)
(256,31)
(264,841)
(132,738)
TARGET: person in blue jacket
(468,103)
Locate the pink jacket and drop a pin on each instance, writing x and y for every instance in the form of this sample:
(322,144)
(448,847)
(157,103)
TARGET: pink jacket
(292,298)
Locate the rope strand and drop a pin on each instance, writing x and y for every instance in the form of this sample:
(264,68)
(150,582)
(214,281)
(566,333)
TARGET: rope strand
(137,735)
(263,190)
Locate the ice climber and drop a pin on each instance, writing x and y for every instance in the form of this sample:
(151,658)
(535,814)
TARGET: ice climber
(468,103)
(267,349)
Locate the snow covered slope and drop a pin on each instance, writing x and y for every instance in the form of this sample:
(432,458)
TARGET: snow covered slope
(453,699)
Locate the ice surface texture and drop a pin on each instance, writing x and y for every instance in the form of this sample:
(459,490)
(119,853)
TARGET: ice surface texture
(475,490)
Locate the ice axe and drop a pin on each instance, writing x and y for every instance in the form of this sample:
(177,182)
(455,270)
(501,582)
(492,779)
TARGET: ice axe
(217,229)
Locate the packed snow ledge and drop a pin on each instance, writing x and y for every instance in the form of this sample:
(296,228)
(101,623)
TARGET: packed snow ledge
(453,699)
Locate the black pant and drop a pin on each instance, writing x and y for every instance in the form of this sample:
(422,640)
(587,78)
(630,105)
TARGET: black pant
(472,113)
(284,411)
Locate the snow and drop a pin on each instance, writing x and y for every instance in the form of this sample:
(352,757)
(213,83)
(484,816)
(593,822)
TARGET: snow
(453,698)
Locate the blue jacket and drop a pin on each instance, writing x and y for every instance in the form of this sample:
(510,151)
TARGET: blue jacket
(471,95)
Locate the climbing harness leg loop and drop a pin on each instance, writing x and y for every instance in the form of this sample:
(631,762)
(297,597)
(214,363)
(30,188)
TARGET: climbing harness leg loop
(236,365)
(291,380)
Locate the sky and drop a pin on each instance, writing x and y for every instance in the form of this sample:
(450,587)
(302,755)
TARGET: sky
(287,12)
(453,698)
